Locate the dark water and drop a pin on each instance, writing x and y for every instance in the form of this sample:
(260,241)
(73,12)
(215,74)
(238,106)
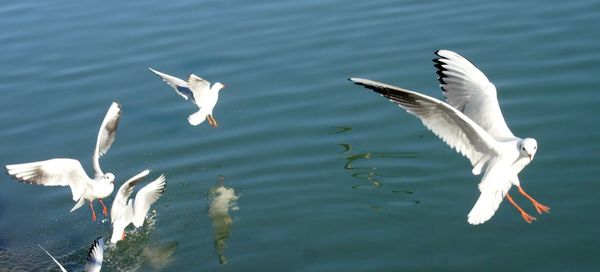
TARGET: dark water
(321,175)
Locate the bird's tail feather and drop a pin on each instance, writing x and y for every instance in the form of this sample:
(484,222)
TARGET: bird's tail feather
(197,118)
(485,207)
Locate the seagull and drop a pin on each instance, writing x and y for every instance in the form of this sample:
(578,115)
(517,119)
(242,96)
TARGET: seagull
(200,92)
(69,172)
(125,211)
(471,123)
(94,258)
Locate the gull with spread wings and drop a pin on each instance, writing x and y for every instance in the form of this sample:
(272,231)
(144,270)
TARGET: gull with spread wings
(199,92)
(69,172)
(470,122)
(125,211)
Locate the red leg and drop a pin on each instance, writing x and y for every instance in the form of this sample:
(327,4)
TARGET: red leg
(212,121)
(539,207)
(528,218)
(104,210)
(123,236)
(93,212)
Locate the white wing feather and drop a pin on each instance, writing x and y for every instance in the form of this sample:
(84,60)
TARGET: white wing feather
(200,87)
(62,268)
(469,90)
(452,126)
(120,202)
(106,135)
(95,256)
(54,172)
(145,198)
(180,86)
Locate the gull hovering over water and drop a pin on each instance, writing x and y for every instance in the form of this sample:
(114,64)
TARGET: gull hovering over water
(94,258)
(471,123)
(125,211)
(69,172)
(198,91)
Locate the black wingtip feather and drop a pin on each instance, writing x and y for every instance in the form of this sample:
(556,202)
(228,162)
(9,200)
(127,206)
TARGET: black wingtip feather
(95,244)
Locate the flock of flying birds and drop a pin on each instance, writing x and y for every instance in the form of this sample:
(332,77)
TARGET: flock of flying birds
(470,122)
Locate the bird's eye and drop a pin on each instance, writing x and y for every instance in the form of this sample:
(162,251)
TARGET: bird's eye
(523,148)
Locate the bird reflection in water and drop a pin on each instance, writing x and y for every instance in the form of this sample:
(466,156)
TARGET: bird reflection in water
(221,199)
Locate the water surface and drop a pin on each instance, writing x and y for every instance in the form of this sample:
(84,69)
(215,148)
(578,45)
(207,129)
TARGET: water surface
(328,176)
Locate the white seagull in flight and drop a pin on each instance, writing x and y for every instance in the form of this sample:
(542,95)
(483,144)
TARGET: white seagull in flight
(125,211)
(69,172)
(471,123)
(197,90)
(94,258)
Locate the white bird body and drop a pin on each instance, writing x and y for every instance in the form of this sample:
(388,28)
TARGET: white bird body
(471,123)
(70,172)
(94,259)
(199,92)
(125,211)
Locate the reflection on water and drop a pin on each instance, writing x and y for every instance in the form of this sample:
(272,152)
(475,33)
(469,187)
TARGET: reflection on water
(221,199)
(159,255)
(360,165)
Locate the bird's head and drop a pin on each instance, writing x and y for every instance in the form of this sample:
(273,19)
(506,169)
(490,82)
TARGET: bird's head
(108,177)
(528,147)
(218,86)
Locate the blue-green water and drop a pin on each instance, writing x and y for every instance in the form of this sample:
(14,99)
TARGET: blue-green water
(329,176)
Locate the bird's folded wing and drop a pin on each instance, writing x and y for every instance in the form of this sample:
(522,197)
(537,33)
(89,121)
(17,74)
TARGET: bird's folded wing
(469,90)
(146,197)
(452,126)
(95,256)
(180,86)
(123,194)
(106,134)
(200,87)
(54,172)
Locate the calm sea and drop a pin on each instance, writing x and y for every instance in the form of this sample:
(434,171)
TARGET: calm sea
(319,174)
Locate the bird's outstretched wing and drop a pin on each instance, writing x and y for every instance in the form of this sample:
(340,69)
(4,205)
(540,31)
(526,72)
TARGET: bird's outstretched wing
(451,125)
(120,202)
(95,256)
(54,172)
(180,86)
(469,90)
(146,197)
(62,268)
(106,134)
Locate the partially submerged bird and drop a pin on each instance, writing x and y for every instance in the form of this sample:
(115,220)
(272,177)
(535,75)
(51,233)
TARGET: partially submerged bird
(69,172)
(94,258)
(471,123)
(125,211)
(198,91)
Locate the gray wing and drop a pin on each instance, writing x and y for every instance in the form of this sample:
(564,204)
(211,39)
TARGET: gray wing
(468,90)
(180,86)
(120,203)
(95,256)
(62,268)
(106,134)
(54,172)
(452,126)
(200,87)
(146,197)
